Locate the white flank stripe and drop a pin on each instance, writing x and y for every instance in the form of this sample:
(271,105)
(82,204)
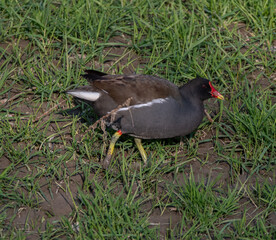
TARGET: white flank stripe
(90,96)
(148,104)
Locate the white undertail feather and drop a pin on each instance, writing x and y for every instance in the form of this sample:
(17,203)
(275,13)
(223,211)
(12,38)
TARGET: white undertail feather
(89,96)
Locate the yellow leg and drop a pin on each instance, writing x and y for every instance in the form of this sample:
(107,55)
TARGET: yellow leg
(114,139)
(141,149)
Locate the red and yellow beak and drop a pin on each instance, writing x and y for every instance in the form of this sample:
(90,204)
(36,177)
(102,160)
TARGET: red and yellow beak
(215,93)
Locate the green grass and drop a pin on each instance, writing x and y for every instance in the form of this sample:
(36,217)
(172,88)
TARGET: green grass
(219,182)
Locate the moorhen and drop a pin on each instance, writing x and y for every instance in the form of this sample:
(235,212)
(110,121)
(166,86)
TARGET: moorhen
(146,107)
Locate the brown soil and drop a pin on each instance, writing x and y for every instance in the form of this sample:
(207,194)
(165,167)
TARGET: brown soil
(56,200)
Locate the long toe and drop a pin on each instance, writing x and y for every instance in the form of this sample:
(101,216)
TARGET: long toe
(106,161)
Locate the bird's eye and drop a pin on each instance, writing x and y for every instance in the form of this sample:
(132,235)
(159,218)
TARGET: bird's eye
(204,86)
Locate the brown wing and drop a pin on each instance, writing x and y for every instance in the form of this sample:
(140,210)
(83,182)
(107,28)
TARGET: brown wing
(141,88)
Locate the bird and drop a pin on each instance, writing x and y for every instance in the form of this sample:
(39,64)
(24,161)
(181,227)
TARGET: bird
(145,106)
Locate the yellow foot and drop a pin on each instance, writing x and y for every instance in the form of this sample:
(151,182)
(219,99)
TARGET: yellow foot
(110,151)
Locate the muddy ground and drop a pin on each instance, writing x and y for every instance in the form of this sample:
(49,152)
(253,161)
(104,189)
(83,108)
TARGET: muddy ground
(58,203)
